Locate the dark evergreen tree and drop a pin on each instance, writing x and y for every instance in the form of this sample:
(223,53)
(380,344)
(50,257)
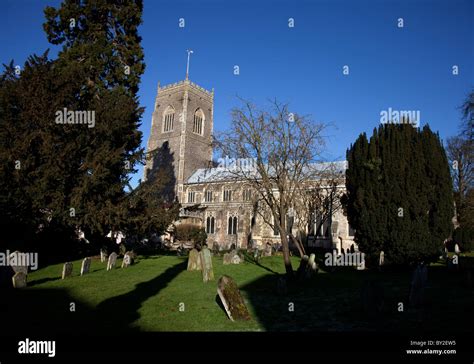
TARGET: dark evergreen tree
(399,194)
(101,46)
(71,166)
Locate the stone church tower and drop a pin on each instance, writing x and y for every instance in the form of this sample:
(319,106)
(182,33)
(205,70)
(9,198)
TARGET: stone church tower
(181,131)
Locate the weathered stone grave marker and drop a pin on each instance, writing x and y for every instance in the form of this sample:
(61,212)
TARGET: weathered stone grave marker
(112,261)
(19,258)
(232,300)
(194,260)
(127,260)
(103,255)
(206,260)
(85,267)
(19,280)
(67,270)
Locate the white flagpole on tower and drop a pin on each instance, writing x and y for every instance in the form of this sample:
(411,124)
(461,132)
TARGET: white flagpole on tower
(187,65)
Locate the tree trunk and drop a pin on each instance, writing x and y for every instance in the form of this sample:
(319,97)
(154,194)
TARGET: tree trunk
(286,255)
(298,244)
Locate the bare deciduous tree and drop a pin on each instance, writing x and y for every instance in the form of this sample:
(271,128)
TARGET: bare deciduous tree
(283,147)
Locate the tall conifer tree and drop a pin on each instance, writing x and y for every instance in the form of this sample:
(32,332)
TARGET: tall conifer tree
(399,194)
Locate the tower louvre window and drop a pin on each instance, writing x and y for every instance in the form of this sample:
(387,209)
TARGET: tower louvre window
(168,120)
(198,123)
(191,196)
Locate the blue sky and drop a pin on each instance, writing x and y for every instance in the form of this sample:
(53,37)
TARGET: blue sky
(407,68)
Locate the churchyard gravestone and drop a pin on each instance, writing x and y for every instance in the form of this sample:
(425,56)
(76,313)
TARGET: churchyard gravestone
(268,250)
(103,255)
(67,270)
(206,261)
(112,261)
(418,285)
(232,300)
(19,280)
(194,260)
(236,259)
(311,266)
(215,248)
(17,257)
(85,267)
(256,255)
(381,258)
(226,260)
(232,258)
(456,249)
(127,260)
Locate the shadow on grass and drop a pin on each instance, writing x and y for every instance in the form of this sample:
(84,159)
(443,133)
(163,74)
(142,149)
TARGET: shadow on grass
(41,281)
(335,302)
(120,312)
(40,311)
(250,259)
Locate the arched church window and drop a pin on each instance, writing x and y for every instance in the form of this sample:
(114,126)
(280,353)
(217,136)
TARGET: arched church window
(198,124)
(232,225)
(210,223)
(168,119)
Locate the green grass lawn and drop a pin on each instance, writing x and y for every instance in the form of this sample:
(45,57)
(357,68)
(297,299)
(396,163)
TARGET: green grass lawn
(148,295)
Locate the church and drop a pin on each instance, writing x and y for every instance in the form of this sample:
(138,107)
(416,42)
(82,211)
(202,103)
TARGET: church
(181,135)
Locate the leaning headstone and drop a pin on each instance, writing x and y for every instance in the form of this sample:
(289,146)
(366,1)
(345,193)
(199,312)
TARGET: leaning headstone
(17,258)
(456,249)
(67,270)
(194,260)
(206,261)
(103,255)
(232,300)
(19,280)
(112,261)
